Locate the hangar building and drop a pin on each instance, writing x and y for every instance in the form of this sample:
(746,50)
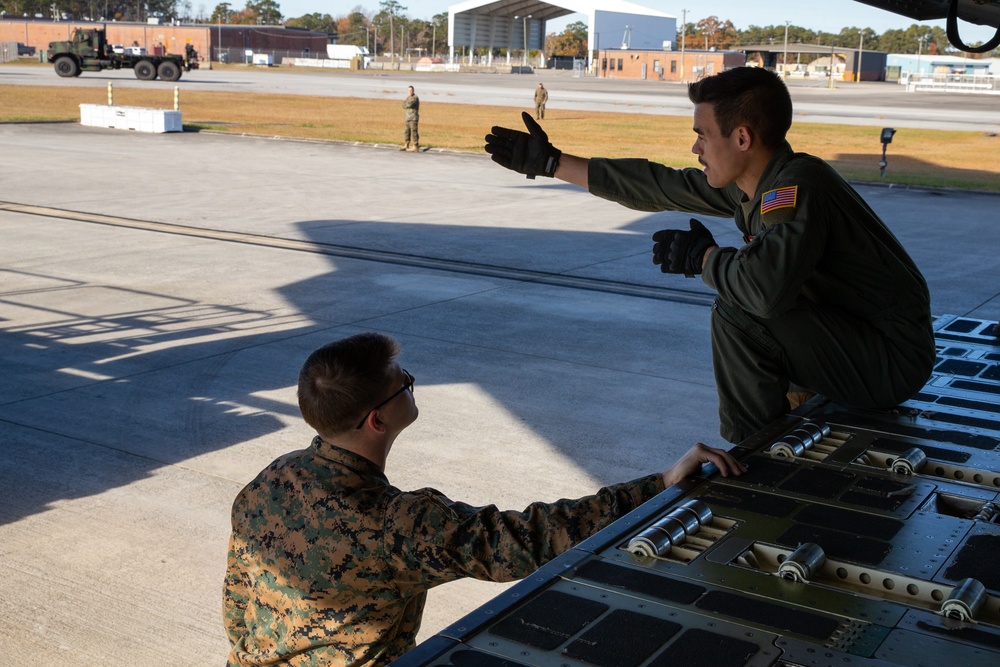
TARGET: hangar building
(520,25)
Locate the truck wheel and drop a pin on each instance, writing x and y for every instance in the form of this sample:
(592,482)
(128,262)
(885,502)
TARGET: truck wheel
(66,66)
(145,70)
(169,71)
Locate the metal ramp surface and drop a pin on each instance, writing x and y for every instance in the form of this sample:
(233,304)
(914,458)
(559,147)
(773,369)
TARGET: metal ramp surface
(856,538)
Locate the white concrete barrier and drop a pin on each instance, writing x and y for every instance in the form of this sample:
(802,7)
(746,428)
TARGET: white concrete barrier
(139,119)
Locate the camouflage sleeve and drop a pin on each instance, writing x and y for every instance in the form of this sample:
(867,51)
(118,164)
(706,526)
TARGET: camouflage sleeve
(430,539)
(234,598)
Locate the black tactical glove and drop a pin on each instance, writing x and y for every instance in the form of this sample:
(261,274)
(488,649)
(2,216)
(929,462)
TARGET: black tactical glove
(677,251)
(528,153)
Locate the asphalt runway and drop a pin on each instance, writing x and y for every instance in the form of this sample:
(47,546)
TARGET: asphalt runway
(158,294)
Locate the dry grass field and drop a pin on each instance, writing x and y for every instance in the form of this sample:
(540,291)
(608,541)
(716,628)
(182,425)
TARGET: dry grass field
(916,157)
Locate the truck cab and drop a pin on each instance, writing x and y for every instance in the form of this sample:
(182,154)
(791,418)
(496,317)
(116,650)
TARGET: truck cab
(86,51)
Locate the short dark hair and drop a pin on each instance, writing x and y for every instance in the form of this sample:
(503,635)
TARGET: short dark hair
(751,96)
(342,380)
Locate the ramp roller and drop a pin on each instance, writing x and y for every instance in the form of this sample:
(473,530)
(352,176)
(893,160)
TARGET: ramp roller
(910,462)
(965,600)
(803,563)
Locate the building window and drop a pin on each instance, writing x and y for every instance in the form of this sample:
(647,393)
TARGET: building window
(656,66)
(604,63)
(673,67)
(619,64)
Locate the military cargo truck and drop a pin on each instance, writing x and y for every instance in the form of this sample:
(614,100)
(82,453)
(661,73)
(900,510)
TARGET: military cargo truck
(89,51)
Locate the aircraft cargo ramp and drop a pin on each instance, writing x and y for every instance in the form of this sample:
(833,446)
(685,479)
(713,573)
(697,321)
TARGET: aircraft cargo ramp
(858,538)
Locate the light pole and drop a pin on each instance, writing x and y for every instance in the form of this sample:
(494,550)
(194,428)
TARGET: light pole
(784,57)
(524,57)
(920,47)
(832,66)
(861,55)
(510,38)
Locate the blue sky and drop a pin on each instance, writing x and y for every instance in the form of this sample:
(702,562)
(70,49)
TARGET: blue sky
(825,15)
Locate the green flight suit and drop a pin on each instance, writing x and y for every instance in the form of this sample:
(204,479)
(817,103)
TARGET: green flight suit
(822,295)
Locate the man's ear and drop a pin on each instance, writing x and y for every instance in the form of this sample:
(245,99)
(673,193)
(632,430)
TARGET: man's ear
(375,422)
(744,138)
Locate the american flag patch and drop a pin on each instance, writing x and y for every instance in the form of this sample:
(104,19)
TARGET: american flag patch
(779,198)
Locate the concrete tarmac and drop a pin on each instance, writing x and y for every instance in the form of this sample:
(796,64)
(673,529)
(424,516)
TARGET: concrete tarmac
(868,103)
(158,294)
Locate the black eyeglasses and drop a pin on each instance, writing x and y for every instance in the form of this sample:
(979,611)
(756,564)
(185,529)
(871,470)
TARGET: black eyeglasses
(407,385)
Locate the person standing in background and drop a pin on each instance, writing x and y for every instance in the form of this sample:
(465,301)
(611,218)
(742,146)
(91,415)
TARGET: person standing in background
(411,136)
(541,97)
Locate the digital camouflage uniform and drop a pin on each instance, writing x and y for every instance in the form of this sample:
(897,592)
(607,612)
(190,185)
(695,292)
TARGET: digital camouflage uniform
(412,114)
(821,295)
(541,98)
(329,564)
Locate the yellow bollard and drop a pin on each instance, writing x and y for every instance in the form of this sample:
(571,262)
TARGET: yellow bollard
(177,98)
(111,95)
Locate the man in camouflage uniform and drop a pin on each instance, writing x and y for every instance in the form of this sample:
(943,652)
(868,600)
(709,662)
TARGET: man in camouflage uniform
(541,97)
(821,297)
(411,136)
(329,564)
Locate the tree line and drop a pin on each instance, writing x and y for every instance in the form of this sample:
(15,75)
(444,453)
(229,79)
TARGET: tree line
(389,29)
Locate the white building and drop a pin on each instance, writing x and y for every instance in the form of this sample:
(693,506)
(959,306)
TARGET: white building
(520,25)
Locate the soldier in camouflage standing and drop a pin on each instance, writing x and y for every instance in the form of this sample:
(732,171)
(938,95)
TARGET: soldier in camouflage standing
(330,565)
(541,97)
(412,110)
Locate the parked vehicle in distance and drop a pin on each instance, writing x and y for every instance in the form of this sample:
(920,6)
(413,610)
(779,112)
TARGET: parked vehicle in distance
(89,51)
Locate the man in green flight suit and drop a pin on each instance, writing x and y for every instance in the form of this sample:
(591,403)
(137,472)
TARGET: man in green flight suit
(329,564)
(821,298)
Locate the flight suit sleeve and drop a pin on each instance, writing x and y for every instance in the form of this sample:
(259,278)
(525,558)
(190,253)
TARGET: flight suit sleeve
(648,186)
(430,539)
(766,276)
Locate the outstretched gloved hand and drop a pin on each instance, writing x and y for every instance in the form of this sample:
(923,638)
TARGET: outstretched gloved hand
(678,251)
(528,153)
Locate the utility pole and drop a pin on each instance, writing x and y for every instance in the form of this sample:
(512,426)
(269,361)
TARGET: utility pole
(684,19)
